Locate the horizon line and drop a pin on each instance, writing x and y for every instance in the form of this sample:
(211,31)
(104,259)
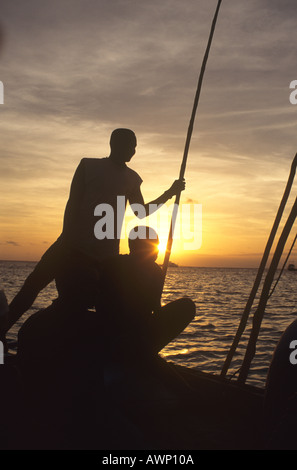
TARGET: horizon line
(177,266)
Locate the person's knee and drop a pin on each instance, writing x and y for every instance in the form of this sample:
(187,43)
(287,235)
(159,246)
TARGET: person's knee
(189,307)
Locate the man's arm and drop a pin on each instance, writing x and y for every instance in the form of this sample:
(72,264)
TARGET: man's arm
(151,207)
(75,196)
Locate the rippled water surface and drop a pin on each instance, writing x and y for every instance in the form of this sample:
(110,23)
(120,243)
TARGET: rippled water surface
(220,295)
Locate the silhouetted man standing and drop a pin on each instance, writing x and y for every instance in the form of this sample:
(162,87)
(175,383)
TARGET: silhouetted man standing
(96,181)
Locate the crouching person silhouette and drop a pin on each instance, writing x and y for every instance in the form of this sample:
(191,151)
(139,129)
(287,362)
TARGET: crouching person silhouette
(136,326)
(139,385)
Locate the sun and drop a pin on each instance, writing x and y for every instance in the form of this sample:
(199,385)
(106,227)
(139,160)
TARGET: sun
(162,246)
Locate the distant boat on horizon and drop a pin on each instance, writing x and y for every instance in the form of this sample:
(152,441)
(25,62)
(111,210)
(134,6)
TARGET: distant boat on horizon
(291,267)
(172,265)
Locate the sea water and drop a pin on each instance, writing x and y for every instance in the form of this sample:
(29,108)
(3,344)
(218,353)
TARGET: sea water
(220,295)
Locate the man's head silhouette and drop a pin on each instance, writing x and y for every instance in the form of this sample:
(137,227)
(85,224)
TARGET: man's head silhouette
(122,145)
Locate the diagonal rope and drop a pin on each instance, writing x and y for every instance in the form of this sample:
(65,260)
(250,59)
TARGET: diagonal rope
(283,267)
(259,314)
(261,268)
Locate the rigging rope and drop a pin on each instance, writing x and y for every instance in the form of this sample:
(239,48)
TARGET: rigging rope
(261,268)
(258,316)
(283,267)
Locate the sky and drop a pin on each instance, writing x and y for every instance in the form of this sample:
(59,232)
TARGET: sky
(74,70)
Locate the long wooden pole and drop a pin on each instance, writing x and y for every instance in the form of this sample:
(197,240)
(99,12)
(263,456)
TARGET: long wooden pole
(188,140)
(258,316)
(261,268)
